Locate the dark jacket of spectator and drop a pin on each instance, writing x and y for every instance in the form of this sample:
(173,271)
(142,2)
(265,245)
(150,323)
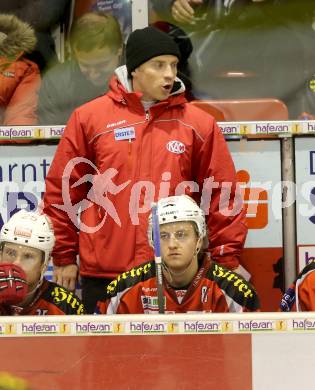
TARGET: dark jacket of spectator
(63,89)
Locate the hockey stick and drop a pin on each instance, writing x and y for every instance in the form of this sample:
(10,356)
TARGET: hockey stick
(157,256)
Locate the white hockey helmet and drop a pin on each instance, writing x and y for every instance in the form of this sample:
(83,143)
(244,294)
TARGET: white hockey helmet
(30,229)
(177,209)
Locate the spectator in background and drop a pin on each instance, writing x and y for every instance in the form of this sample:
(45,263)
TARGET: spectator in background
(242,49)
(300,296)
(192,282)
(200,15)
(185,48)
(126,148)
(43,16)
(26,242)
(120,9)
(301,15)
(19,77)
(96,44)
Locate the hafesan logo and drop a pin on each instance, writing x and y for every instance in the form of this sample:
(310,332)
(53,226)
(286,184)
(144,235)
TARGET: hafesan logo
(176,147)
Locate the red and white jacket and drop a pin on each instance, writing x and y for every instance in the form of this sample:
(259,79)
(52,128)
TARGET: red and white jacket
(213,289)
(135,157)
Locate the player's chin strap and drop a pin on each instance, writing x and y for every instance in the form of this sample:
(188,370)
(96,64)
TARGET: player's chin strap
(181,273)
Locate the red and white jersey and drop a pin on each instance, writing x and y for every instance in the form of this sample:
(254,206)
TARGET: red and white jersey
(300,296)
(213,289)
(51,299)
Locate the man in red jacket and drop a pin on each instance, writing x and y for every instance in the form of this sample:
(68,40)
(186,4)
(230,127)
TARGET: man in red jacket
(140,142)
(192,282)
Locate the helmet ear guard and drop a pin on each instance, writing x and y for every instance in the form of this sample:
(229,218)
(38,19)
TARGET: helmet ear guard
(180,208)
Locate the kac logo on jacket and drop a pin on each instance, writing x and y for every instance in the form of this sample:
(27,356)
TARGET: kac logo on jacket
(176,147)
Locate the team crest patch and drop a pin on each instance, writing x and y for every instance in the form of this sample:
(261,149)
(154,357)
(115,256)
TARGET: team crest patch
(176,147)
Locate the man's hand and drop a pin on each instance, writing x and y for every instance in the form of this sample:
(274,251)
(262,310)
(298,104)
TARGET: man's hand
(13,285)
(66,276)
(183,11)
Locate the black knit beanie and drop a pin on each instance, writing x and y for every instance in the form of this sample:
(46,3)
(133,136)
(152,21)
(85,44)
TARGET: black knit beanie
(144,44)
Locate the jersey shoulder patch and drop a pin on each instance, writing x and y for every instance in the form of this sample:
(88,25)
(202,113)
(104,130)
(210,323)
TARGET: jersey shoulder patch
(130,278)
(64,299)
(235,286)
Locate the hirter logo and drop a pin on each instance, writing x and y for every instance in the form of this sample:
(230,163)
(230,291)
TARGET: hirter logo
(176,147)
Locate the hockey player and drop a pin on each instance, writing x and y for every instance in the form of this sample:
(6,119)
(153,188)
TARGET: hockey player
(26,242)
(192,281)
(300,296)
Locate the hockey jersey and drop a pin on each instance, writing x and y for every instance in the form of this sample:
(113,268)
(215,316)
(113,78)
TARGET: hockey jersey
(300,296)
(51,299)
(213,289)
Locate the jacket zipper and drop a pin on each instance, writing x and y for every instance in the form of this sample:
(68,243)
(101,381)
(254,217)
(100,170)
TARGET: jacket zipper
(129,161)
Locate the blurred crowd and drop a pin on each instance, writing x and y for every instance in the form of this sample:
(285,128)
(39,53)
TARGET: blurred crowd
(58,55)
